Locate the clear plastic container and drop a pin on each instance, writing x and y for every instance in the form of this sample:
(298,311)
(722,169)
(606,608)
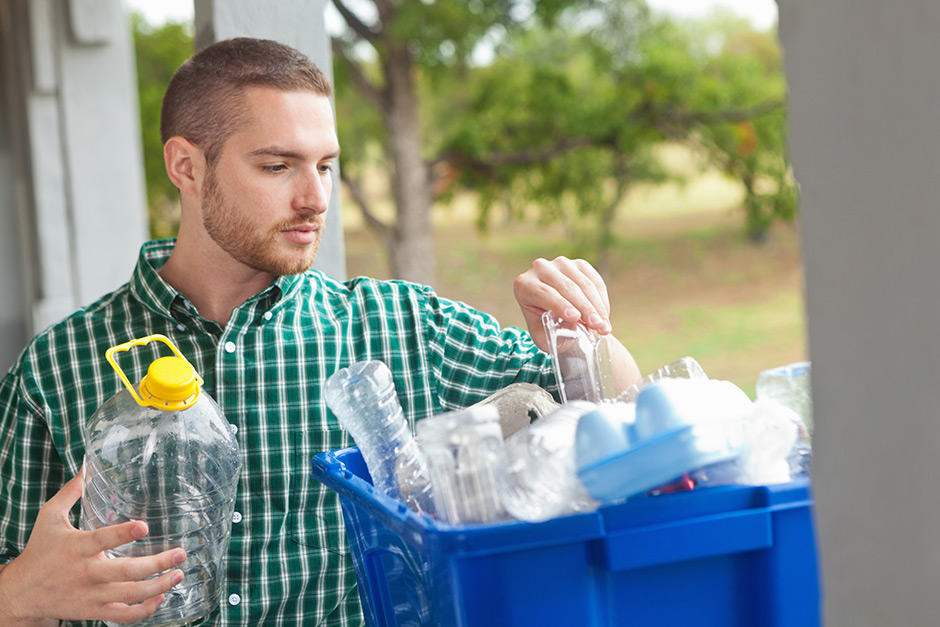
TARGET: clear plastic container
(364,400)
(582,360)
(167,456)
(790,386)
(466,460)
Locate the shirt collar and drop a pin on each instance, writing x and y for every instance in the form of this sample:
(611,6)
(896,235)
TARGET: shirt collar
(156,294)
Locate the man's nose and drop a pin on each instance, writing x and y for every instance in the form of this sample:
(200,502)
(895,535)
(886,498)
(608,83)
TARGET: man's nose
(313,194)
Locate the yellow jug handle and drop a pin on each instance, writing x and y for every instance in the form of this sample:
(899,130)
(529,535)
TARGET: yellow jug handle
(109,355)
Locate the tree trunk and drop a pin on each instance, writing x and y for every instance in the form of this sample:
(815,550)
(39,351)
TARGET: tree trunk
(412,246)
(605,223)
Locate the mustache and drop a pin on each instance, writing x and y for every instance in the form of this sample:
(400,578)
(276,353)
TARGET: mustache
(314,223)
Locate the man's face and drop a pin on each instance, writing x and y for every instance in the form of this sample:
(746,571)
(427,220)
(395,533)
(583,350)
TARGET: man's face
(265,198)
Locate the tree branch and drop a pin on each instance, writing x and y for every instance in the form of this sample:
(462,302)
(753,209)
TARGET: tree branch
(385,231)
(686,119)
(357,25)
(359,79)
(522,157)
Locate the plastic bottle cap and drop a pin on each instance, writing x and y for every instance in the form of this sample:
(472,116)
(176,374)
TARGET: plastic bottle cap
(170,383)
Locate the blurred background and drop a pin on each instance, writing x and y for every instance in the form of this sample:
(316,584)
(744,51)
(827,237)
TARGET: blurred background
(646,137)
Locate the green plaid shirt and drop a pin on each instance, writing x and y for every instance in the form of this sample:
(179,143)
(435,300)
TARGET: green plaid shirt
(288,561)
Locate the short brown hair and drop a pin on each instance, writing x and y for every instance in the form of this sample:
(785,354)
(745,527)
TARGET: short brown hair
(204,101)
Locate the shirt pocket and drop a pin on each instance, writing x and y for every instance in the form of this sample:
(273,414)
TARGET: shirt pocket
(315,518)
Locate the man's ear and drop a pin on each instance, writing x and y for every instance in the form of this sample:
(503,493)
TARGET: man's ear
(185,165)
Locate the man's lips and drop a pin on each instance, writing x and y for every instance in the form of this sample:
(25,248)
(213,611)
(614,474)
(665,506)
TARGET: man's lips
(301,233)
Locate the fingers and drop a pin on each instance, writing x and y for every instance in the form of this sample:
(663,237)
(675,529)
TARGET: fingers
(66,497)
(140,591)
(113,536)
(121,613)
(138,568)
(571,289)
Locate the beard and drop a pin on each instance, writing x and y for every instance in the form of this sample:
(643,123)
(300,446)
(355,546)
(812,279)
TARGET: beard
(233,230)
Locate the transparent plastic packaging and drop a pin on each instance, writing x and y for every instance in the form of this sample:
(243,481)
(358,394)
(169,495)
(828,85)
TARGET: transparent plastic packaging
(582,360)
(542,482)
(790,386)
(364,400)
(770,432)
(683,368)
(176,470)
(466,460)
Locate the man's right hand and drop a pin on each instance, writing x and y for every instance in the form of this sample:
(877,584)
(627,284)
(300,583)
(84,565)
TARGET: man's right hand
(63,573)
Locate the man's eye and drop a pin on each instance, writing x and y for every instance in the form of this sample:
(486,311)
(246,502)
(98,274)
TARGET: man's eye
(274,169)
(326,168)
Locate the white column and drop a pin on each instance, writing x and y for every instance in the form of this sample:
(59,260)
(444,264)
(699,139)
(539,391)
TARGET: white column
(865,143)
(299,24)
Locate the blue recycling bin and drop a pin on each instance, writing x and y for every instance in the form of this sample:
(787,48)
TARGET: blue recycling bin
(735,556)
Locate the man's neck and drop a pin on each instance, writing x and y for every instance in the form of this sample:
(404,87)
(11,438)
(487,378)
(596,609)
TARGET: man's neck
(214,282)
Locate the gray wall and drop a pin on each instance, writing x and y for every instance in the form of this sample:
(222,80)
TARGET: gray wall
(72,199)
(865,141)
(297,23)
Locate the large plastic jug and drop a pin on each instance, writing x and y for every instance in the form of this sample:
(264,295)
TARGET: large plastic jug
(165,454)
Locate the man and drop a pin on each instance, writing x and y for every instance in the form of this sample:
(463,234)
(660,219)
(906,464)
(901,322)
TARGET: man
(250,143)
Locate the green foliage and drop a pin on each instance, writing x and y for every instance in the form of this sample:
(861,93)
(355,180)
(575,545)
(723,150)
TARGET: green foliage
(745,73)
(159,51)
(561,118)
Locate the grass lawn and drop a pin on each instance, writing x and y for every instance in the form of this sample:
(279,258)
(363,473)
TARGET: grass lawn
(683,281)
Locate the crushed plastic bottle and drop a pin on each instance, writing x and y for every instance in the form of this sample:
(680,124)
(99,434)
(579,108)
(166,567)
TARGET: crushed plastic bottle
(683,368)
(364,400)
(166,455)
(466,460)
(541,482)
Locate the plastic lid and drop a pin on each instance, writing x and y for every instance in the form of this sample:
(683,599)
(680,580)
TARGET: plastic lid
(170,383)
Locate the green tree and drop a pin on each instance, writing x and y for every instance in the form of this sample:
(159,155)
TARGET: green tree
(560,123)
(388,48)
(159,51)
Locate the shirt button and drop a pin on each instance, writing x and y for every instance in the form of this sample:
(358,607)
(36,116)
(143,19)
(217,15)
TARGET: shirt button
(230,347)
(233,428)
(234,599)
(180,327)
(236,517)
(267,315)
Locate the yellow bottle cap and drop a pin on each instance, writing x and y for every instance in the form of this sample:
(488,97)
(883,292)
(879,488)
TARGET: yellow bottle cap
(170,383)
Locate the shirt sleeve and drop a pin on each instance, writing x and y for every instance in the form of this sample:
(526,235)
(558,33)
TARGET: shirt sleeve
(472,356)
(30,468)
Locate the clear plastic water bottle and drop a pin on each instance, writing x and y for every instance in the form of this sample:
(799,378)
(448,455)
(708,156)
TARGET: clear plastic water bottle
(467,461)
(164,453)
(364,400)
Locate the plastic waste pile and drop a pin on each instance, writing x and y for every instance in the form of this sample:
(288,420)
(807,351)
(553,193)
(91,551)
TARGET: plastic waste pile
(519,455)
